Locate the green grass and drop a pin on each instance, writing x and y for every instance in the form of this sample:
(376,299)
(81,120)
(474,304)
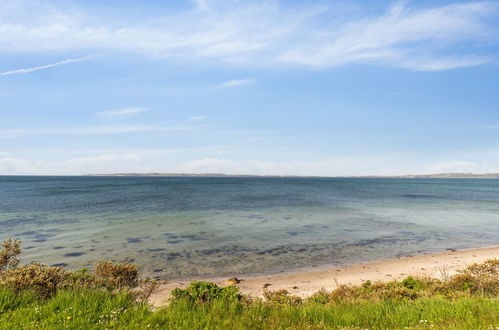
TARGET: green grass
(97,309)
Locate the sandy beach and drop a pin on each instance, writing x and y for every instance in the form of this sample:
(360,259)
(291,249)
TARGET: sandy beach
(305,283)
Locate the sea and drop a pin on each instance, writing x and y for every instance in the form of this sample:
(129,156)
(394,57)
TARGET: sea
(201,227)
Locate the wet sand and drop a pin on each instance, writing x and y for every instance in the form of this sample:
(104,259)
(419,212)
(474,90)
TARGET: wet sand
(306,283)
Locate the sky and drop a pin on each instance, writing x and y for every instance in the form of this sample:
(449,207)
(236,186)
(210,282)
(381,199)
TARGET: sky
(326,88)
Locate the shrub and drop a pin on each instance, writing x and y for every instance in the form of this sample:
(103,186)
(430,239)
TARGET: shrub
(481,279)
(116,275)
(205,292)
(344,293)
(320,297)
(367,284)
(408,289)
(409,282)
(41,278)
(145,289)
(488,268)
(82,278)
(281,297)
(45,280)
(9,255)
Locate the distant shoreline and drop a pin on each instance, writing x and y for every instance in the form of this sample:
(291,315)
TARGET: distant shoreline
(215,175)
(222,175)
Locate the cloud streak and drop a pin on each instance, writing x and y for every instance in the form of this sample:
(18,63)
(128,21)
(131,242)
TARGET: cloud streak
(197,118)
(236,83)
(100,130)
(116,113)
(225,159)
(43,67)
(417,39)
(459,166)
(266,34)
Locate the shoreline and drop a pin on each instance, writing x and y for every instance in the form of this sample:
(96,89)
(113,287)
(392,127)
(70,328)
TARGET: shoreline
(307,282)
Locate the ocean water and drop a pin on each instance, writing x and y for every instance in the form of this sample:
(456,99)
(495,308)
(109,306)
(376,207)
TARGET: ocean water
(188,227)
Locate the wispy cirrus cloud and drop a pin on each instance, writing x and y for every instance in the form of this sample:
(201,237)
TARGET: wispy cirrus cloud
(98,130)
(459,166)
(116,113)
(43,67)
(236,83)
(197,118)
(267,33)
(418,39)
(202,4)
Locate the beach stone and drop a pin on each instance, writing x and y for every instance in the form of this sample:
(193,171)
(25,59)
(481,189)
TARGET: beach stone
(233,281)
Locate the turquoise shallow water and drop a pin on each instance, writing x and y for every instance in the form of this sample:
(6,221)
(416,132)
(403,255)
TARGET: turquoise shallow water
(184,227)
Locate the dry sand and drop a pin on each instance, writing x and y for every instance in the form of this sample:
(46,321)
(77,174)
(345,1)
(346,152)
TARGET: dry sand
(306,283)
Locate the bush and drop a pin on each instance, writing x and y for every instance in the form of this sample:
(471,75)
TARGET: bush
(82,278)
(9,255)
(320,297)
(45,280)
(408,289)
(204,292)
(281,297)
(116,275)
(409,282)
(145,290)
(41,278)
(367,284)
(481,279)
(488,268)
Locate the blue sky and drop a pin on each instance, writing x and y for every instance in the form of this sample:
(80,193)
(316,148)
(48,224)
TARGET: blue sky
(249,87)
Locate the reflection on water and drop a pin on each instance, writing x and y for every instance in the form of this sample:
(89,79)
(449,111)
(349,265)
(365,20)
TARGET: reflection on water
(187,227)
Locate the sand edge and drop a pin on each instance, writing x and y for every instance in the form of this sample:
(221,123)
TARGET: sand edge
(306,283)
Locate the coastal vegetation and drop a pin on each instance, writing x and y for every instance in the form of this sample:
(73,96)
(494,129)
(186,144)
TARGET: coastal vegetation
(111,296)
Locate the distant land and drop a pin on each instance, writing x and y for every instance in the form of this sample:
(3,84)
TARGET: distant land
(415,176)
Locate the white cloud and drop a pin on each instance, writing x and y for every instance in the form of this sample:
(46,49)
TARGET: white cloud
(263,34)
(202,4)
(102,163)
(167,161)
(197,118)
(98,130)
(459,166)
(404,37)
(88,161)
(43,67)
(109,114)
(12,166)
(229,35)
(228,159)
(442,64)
(338,166)
(236,83)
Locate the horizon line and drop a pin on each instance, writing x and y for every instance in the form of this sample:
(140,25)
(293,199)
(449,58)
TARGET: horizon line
(449,175)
